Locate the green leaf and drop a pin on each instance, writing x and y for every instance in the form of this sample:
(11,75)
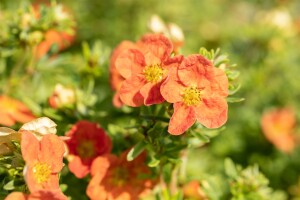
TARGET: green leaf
(154,162)
(201,137)
(9,185)
(230,168)
(234,99)
(136,150)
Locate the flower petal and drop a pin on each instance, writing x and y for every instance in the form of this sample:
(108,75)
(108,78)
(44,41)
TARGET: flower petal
(52,151)
(6,120)
(212,111)
(219,85)
(171,88)
(151,93)
(156,48)
(16,196)
(182,118)
(129,62)
(195,70)
(78,168)
(47,195)
(130,91)
(30,147)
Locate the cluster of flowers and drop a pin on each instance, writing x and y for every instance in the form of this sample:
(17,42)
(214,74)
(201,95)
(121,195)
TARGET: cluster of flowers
(87,148)
(149,72)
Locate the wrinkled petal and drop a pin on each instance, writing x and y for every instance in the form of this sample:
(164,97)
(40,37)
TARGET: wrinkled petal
(130,61)
(79,169)
(182,118)
(117,101)
(42,126)
(195,70)
(173,62)
(30,147)
(52,151)
(151,93)
(212,111)
(171,88)
(130,91)
(156,48)
(220,83)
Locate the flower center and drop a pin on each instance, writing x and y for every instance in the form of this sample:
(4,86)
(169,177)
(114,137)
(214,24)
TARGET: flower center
(119,176)
(41,172)
(191,96)
(86,149)
(153,73)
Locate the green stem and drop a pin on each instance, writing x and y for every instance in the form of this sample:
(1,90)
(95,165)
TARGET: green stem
(155,118)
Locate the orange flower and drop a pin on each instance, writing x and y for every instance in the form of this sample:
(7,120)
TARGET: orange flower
(38,195)
(12,111)
(198,91)
(115,77)
(117,179)
(145,70)
(193,190)
(52,37)
(87,141)
(43,161)
(278,126)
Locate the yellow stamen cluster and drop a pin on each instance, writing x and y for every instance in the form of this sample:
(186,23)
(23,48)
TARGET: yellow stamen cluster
(41,172)
(191,96)
(153,73)
(86,149)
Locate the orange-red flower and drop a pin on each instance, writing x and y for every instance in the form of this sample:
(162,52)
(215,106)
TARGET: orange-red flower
(87,141)
(44,160)
(12,111)
(145,69)
(115,77)
(278,127)
(38,195)
(192,190)
(117,179)
(198,91)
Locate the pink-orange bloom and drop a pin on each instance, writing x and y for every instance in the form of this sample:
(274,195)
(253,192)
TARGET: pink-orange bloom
(38,195)
(145,69)
(12,111)
(278,127)
(44,160)
(116,79)
(117,179)
(198,91)
(87,141)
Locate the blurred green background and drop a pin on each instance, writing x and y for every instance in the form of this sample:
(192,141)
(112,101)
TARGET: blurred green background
(261,36)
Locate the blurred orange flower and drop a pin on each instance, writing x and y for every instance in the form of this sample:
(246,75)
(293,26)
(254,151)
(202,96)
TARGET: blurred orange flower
(192,190)
(44,160)
(145,70)
(38,195)
(278,127)
(198,91)
(13,111)
(115,178)
(115,77)
(62,96)
(87,141)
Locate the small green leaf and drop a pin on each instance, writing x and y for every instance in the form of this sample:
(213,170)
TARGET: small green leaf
(136,150)
(9,185)
(230,168)
(154,162)
(234,99)
(201,137)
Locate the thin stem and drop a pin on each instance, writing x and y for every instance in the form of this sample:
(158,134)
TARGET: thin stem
(155,118)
